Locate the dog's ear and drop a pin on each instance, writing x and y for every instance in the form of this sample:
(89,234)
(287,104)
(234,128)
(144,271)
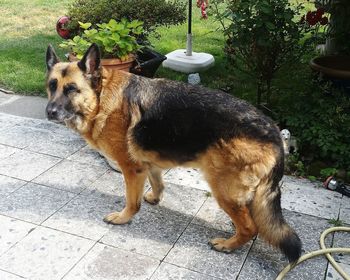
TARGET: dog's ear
(51,58)
(91,60)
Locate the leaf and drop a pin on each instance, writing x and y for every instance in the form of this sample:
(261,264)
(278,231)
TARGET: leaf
(63,45)
(115,37)
(134,24)
(266,9)
(101,25)
(84,25)
(270,25)
(76,39)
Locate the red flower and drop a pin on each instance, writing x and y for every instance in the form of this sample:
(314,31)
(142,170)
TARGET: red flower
(320,12)
(311,18)
(315,17)
(324,21)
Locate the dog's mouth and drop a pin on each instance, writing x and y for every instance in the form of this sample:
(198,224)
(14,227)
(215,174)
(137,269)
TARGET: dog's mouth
(62,118)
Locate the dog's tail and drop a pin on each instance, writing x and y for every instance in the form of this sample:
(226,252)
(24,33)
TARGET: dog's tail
(267,215)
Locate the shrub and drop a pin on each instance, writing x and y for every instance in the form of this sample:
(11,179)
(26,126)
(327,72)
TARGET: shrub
(320,119)
(153,13)
(261,36)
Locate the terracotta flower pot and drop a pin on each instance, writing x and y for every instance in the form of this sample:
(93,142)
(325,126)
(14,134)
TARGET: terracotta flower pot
(117,64)
(337,67)
(111,63)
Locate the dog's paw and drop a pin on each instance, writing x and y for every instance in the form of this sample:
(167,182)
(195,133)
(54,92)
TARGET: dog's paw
(220,245)
(149,197)
(116,218)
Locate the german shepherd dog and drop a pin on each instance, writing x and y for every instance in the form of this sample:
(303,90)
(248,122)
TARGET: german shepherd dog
(146,125)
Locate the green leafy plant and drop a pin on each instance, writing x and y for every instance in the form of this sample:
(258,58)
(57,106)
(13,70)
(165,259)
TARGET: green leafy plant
(335,222)
(294,165)
(153,13)
(115,39)
(312,178)
(208,194)
(261,36)
(326,172)
(319,117)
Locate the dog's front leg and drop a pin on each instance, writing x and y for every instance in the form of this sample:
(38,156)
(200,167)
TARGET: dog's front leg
(135,177)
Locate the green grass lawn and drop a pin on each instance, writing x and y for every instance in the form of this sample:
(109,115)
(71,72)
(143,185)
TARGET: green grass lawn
(27,27)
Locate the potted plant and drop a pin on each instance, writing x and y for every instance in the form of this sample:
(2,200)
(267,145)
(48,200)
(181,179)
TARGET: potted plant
(338,31)
(334,63)
(117,42)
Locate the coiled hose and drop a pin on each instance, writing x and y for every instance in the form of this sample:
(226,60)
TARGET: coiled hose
(322,251)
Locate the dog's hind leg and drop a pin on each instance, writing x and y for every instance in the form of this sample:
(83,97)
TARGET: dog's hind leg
(244,224)
(156,181)
(233,198)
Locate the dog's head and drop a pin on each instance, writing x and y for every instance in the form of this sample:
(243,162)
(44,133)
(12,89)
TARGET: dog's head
(285,134)
(73,88)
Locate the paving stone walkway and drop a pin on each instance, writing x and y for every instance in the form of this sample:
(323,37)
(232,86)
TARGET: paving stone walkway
(54,192)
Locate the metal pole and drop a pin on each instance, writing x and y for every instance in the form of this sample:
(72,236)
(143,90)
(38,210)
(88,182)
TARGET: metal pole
(189,34)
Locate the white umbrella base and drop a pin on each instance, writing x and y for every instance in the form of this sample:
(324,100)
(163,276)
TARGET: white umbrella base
(178,60)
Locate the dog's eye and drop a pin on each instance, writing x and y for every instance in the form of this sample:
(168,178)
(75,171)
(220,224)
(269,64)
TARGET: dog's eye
(53,85)
(69,89)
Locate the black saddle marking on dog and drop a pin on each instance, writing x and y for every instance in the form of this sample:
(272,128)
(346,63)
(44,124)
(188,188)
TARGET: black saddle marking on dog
(184,120)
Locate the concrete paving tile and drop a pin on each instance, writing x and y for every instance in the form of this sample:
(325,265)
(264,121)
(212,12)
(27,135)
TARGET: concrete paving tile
(71,176)
(345,210)
(211,215)
(182,199)
(309,198)
(20,136)
(193,252)
(88,155)
(187,177)
(12,231)
(9,185)
(24,121)
(332,274)
(28,106)
(7,121)
(342,240)
(155,228)
(55,144)
(264,262)
(152,231)
(41,136)
(107,263)
(26,165)
(83,216)
(6,151)
(9,276)
(34,203)
(109,184)
(45,254)
(173,272)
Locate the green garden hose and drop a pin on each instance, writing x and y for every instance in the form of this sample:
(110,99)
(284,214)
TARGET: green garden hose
(322,251)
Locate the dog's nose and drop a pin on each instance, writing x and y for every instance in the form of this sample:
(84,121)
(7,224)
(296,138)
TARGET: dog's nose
(51,111)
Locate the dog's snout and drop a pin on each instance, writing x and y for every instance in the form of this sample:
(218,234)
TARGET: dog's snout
(52,111)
